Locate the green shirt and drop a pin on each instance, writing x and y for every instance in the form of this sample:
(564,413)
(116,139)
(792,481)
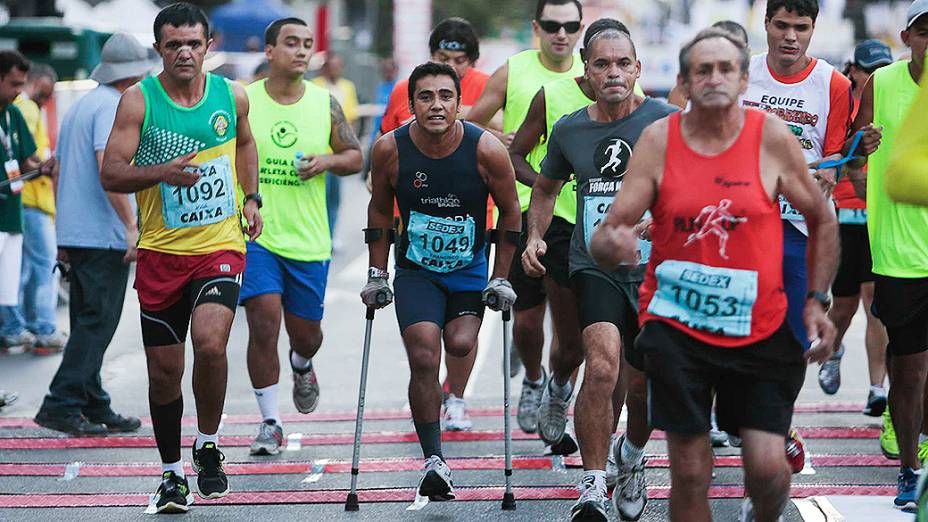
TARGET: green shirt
(11,208)
(898,231)
(526,75)
(296,225)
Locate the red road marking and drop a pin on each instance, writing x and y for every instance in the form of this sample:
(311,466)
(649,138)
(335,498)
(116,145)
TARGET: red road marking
(395,465)
(339,439)
(399,495)
(349,416)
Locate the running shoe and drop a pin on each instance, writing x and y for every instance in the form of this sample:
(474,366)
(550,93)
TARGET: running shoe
(747,512)
(876,404)
(631,494)
(17,343)
(7,397)
(922,493)
(922,451)
(733,440)
(49,344)
(906,490)
(829,374)
(795,451)
(173,495)
(552,416)
(270,437)
(564,447)
(529,401)
(211,478)
(612,467)
(717,437)
(305,390)
(456,417)
(593,504)
(888,444)
(436,481)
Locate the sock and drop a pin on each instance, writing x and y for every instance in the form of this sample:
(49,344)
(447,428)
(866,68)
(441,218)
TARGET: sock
(599,478)
(878,390)
(562,391)
(429,438)
(176,467)
(203,438)
(299,363)
(631,454)
(267,403)
(165,419)
(535,384)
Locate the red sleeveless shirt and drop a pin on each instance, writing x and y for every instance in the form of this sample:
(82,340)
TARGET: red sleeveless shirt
(716,269)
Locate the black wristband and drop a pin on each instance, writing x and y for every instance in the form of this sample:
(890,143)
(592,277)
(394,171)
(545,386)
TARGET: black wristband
(821,297)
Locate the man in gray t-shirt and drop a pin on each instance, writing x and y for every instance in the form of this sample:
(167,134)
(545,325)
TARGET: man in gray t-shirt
(596,144)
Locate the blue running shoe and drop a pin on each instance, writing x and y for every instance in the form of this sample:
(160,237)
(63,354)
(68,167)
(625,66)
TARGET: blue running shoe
(907,486)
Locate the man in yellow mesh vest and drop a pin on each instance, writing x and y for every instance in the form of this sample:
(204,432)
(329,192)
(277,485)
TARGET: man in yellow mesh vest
(32,322)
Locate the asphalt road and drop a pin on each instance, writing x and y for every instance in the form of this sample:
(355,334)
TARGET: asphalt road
(847,475)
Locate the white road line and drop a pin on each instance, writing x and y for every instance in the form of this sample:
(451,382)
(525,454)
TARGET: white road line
(489,331)
(818,509)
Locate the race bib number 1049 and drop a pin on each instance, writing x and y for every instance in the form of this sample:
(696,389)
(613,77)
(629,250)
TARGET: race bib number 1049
(210,200)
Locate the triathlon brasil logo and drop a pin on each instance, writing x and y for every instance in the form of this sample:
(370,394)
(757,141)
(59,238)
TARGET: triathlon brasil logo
(611,157)
(284,134)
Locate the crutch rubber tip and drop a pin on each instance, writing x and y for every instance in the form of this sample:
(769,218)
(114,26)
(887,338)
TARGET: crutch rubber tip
(509,502)
(351,503)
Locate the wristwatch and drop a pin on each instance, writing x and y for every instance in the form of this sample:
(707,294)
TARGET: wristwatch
(376,273)
(821,297)
(256,196)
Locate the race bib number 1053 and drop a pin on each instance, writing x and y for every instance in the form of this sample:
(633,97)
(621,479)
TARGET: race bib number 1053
(718,300)
(210,200)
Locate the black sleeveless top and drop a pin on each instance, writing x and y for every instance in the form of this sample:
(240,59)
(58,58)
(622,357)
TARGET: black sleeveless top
(442,203)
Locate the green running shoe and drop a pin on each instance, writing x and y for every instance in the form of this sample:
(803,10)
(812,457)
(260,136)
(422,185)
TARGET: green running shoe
(888,443)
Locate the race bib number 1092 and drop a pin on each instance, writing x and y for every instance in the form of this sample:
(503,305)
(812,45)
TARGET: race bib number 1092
(210,200)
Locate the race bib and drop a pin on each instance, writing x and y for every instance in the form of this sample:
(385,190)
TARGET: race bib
(594,211)
(718,300)
(440,244)
(852,216)
(12,172)
(788,211)
(210,200)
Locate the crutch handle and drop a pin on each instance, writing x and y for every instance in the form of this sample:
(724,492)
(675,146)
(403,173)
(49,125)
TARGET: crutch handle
(492,299)
(382,297)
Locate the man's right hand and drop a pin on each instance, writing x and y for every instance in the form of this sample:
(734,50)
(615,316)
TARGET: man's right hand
(180,172)
(535,248)
(132,242)
(376,293)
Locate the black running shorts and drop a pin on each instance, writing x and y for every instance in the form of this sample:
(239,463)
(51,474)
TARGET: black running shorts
(902,306)
(754,386)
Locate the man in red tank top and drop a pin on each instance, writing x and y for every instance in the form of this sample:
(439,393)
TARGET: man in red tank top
(712,304)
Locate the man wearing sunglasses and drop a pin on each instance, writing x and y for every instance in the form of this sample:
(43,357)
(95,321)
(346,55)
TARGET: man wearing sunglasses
(512,87)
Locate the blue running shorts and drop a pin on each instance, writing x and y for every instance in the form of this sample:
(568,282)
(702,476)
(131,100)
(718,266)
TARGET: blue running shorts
(301,284)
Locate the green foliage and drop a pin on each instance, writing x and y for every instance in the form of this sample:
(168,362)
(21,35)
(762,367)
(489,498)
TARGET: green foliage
(489,18)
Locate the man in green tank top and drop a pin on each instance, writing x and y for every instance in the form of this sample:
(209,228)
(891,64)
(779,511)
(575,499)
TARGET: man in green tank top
(191,250)
(557,25)
(899,244)
(302,137)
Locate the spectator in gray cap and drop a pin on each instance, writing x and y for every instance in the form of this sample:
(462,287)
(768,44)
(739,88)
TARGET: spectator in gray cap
(97,236)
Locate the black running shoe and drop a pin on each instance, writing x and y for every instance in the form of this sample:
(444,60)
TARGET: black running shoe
(211,478)
(173,495)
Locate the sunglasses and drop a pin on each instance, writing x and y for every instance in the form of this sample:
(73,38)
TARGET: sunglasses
(552,27)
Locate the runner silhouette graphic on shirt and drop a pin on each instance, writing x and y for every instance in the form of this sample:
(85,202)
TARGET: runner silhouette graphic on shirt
(615,156)
(711,220)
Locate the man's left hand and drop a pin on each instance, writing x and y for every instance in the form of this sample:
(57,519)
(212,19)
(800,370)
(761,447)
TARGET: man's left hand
(253,217)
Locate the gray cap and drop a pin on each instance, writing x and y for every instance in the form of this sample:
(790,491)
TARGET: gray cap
(918,8)
(122,57)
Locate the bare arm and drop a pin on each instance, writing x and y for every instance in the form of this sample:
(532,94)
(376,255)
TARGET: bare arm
(864,121)
(495,167)
(676,97)
(246,161)
(125,213)
(384,169)
(491,102)
(525,139)
(118,173)
(615,239)
(781,151)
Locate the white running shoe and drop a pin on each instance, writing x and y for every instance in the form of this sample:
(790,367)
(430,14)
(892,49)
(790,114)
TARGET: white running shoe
(436,481)
(747,512)
(552,416)
(270,437)
(305,391)
(631,493)
(529,400)
(593,504)
(612,468)
(456,417)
